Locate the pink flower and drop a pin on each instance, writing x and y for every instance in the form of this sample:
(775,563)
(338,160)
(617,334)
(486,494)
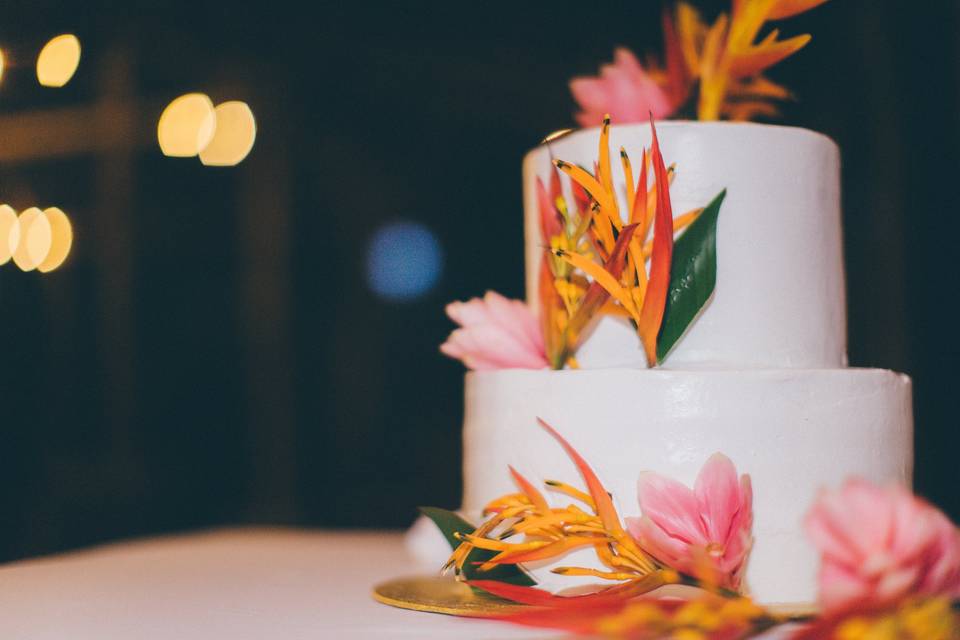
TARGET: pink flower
(623,90)
(495,333)
(704,532)
(879,544)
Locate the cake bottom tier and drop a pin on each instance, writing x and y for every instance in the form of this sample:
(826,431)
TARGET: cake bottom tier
(793,431)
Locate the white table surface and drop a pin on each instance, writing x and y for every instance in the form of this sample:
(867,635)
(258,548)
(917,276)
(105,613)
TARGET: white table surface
(235,584)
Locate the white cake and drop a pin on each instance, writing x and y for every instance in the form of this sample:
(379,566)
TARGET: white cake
(759,376)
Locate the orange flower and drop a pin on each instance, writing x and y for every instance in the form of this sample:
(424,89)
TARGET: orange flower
(728,59)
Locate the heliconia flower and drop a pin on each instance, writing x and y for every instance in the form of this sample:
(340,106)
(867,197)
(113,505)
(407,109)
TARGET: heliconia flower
(702,532)
(878,545)
(495,333)
(623,90)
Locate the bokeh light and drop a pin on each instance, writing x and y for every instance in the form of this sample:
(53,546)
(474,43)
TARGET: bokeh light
(235,134)
(61,239)
(35,239)
(58,60)
(3,63)
(187,126)
(404,261)
(9,232)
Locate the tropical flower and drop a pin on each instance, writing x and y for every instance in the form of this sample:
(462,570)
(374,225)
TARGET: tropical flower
(547,533)
(879,545)
(495,333)
(616,253)
(703,532)
(720,64)
(728,60)
(623,90)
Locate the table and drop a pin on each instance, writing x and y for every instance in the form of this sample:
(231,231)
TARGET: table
(235,584)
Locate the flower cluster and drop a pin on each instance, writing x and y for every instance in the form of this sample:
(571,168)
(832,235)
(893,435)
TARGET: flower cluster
(890,562)
(699,537)
(595,263)
(721,65)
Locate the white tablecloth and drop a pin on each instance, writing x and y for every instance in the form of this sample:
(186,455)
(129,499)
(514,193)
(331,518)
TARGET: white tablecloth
(234,584)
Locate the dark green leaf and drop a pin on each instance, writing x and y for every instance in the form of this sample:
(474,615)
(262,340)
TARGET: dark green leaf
(449,523)
(693,276)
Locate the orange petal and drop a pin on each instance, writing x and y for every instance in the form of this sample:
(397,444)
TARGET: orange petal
(552,550)
(530,491)
(789,8)
(755,59)
(654,302)
(605,509)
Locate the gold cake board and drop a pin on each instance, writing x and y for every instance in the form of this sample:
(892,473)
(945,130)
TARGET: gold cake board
(440,594)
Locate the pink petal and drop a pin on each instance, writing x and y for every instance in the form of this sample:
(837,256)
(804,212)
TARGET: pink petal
(460,346)
(515,318)
(942,559)
(672,506)
(492,343)
(469,313)
(623,89)
(495,333)
(839,587)
(821,531)
(652,539)
(718,493)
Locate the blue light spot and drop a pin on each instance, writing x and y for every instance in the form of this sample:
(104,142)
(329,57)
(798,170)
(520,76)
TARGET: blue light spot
(404,261)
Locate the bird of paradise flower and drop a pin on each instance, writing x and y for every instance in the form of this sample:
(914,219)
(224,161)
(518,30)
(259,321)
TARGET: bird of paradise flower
(597,257)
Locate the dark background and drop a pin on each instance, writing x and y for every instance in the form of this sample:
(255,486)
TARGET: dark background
(212,354)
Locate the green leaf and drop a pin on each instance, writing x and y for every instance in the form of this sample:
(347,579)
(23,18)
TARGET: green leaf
(693,276)
(449,523)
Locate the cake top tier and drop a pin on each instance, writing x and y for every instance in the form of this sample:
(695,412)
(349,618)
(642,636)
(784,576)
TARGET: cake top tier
(779,297)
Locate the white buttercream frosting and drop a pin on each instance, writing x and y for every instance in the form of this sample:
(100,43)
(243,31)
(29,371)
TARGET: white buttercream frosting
(779,299)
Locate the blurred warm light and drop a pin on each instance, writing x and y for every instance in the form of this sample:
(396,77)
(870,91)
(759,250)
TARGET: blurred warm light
(404,261)
(235,133)
(58,60)
(9,232)
(187,126)
(35,239)
(3,63)
(61,239)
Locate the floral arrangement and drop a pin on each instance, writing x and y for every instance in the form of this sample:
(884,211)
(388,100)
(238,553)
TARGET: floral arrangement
(890,562)
(597,255)
(711,70)
(596,263)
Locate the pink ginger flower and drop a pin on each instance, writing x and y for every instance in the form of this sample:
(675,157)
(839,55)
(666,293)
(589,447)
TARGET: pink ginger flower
(878,545)
(495,333)
(623,90)
(703,532)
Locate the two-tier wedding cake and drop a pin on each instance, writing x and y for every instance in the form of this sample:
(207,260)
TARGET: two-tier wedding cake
(760,375)
(665,438)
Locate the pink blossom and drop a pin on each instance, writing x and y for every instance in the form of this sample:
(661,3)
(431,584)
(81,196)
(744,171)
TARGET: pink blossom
(879,544)
(703,532)
(495,333)
(623,90)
